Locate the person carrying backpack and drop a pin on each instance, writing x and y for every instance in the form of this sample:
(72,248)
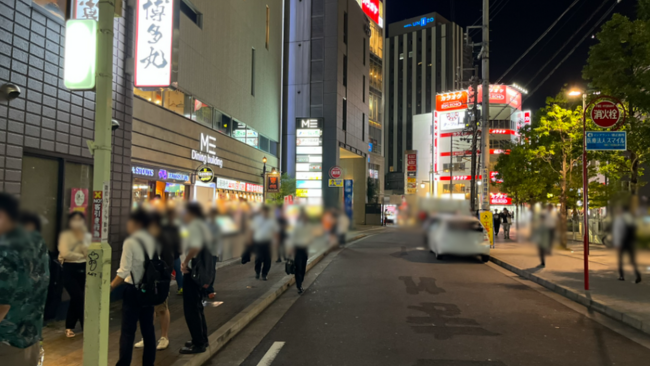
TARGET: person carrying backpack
(143,272)
(198,270)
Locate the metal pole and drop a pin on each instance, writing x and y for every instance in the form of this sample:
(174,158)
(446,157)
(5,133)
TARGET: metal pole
(485,135)
(98,265)
(431,168)
(585,192)
(451,168)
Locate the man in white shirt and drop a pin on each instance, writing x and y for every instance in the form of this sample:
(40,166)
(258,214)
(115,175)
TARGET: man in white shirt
(342,226)
(198,235)
(130,273)
(265,229)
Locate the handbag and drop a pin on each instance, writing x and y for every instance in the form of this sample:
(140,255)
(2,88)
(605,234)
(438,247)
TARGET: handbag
(290,267)
(246,256)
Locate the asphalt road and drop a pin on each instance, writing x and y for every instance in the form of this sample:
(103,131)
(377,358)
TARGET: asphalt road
(387,301)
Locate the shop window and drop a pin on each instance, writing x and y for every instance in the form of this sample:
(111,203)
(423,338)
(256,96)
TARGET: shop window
(176,101)
(57,8)
(151,96)
(222,123)
(201,113)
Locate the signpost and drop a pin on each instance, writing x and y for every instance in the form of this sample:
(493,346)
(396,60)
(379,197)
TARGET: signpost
(335,183)
(348,197)
(606,112)
(336,172)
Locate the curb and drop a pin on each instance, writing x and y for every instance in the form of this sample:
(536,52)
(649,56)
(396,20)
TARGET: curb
(228,331)
(577,297)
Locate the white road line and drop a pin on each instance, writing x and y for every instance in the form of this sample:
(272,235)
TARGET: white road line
(271,354)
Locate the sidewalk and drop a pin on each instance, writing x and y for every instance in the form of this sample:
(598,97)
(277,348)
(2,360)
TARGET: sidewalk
(564,274)
(236,286)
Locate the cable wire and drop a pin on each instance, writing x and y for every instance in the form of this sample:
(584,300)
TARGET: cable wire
(538,40)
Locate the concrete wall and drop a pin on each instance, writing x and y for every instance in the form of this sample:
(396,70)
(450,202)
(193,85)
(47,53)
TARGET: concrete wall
(48,119)
(215,62)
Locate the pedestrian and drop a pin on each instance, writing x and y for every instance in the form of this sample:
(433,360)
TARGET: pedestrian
(496,220)
(550,224)
(282,234)
(329,225)
(131,274)
(165,244)
(506,217)
(301,236)
(265,230)
(624,236)
(24,278)
(73,250)
(385,222)
(173,229)
(342,227)
(199,237)
(215,245)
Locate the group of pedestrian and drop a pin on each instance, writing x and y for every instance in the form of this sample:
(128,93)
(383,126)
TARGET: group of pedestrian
(504,218)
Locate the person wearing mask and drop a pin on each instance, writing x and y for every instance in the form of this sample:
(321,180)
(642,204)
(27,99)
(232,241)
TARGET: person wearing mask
(265,230)
(215,245)
(623,236)
(24,269)
(342,227)
(131,273)
(165,245)
(506,217)
(73,249)
(496,220)
(198,237)
(299,240)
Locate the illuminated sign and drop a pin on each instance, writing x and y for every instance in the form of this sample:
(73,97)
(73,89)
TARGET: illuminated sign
(499,151)
(309,158)
(460,177)
(496,131)
(411,171)
(451,101)
(80,54)
(85,9)
(499,94)
(153,43)
(207,153)
(308,141)
(309,133)
(500,199)
(527,117)
(231,185)
(309,176)
(254,188)
(205,174)
(493,177)
(420,22)
(303,184)
(142,171)
(371,8)
(318,150)
(309,192)
(452,120)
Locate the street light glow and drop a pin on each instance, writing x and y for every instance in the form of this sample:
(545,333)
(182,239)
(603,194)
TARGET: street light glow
(575,93)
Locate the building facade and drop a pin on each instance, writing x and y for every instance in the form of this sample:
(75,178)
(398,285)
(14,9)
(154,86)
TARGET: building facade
(327,68)
(424,56)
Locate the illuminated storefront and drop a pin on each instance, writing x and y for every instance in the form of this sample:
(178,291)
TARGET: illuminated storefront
(161,184)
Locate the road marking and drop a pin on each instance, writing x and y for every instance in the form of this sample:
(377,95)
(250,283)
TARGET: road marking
(271,354)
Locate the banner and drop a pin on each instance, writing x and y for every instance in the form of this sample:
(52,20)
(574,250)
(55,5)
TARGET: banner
(488,224)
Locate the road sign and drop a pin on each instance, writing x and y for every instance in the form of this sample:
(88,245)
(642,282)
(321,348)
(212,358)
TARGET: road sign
(336,172)
(605,114)
(607,141)
(335,183)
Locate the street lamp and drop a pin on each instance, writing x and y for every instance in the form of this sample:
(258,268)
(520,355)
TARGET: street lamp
(585,184)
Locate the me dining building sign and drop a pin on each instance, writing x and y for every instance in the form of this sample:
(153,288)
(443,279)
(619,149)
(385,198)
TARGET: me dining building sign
(207,153)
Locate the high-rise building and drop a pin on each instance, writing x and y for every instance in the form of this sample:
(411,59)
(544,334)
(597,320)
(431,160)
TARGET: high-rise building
(424,56)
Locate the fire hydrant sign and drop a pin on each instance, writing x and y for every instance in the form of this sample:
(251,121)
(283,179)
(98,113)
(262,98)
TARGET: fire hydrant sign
(605,114)
(607,141)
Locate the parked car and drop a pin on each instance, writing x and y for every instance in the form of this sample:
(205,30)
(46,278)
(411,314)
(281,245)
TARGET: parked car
(459,236)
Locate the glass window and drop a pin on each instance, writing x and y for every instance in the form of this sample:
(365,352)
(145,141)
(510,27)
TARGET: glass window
(177,101)
(202,113)
(222,122)
(273,148)
(151,96)
(58,8)
(264,143)
(252,138)
(239,131)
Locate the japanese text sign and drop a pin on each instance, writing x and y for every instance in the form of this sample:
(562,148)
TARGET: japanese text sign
(153,45)
(606,140)
(451,101)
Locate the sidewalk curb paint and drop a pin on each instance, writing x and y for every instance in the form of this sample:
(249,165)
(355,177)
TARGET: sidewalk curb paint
(577,297)
(228,331)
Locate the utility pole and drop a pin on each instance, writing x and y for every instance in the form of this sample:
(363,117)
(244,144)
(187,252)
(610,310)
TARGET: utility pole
(485,133)
(98,265)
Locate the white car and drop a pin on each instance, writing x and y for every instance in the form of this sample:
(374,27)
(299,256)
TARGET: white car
(458,236)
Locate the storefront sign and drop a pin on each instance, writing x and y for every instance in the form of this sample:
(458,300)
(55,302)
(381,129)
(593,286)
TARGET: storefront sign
(420,23)
(459,177)
(500,199)
(153,43)
(272,183)
(348,197)
(288,200)
(309,133)
(308,141)
(488,224)
(85,9)
(496,131)
(335,183)
(78,200)
(80,54)
(146,172)
(303,184)
(207,153)
(309,193)
(309,157)
(411,169)
(96,228)
(254,188)
(165,175)
(451,101)
(206,174)
(499,94)
(371,8)
(452,120)
(607,141)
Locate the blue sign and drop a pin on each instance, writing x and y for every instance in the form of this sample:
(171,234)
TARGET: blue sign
(420,23)
(137,170)
(606,140)
(348,194)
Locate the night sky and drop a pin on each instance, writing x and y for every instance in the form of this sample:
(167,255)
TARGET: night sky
(515,25)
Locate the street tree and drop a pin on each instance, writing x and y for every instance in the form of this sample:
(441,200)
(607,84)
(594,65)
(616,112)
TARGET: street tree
(287,188)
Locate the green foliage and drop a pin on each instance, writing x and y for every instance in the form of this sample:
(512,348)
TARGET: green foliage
(372,191)
(287,187)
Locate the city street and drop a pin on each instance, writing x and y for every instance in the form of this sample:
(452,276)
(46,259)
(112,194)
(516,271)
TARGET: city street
(385,300)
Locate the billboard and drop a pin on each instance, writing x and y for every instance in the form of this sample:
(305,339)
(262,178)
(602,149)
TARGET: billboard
(371,8)
(153,43)
(499,94)
(451,101)
(411,158)
(452,120)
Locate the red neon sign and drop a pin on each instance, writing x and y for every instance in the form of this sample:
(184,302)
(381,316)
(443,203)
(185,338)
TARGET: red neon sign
(451,101)
(493,177)
(497,131)
(460,177)
(371,8)
(500,199)
(499,94)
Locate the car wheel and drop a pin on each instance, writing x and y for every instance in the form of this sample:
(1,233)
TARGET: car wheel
(485,258)
(440,257)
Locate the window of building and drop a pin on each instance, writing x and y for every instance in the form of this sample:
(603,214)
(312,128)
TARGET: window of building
(401,56)
(345,28)
(253,72)
(201,113)
(364,51)
(222,123)
(192,13)
(58,8)
(345,70)
(363,96)
(239,131)
(151,96)
(345,114)
(376,40)
(363,127)
(178,102)
(268,26)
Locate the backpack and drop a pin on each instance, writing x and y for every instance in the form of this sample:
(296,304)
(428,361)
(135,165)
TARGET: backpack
(203,268)
(154,287)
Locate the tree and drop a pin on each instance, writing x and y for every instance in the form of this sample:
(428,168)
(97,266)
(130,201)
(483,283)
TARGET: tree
(619,66)
(287,187)
(372,191)
(558,142)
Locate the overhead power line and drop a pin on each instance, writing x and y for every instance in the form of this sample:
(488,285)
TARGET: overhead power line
(538,40)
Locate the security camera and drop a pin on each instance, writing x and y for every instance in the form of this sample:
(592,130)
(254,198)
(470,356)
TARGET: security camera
(9,92)
(114,125)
